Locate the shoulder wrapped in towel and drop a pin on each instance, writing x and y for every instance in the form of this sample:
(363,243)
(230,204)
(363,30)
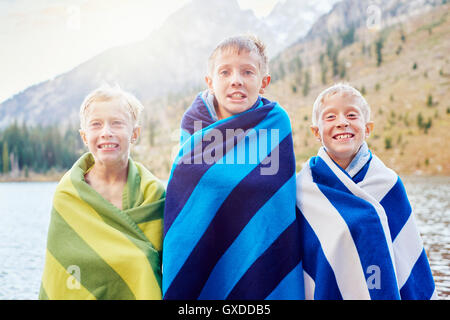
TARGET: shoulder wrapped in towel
(95,250)
(360,240)
(230,224)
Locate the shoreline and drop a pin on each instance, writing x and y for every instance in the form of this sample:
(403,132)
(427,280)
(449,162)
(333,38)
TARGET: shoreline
(56,177)
(33,177)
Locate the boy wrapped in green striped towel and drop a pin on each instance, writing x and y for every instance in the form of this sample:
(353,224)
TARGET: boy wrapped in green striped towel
(105,234)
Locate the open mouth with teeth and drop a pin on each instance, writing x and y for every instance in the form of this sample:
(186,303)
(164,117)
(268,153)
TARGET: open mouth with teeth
(342,136)
(108,146)
(237,96)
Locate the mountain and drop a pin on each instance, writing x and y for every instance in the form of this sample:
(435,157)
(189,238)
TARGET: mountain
(397,58)
(171,60)
(292,19)
(408,92)
(372,14)
(402,69)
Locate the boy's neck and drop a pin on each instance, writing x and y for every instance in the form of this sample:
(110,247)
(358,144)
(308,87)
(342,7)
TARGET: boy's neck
(108,175)
(362,155)
(343,163)
(220,112)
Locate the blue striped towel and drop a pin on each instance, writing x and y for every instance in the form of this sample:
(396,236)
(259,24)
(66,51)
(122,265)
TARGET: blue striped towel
(359,237)
(230,230)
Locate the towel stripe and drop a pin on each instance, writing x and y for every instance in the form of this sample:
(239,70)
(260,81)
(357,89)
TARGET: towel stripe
(408,248)
(290,288)
(363,172)
(264,276)
(398,206)
(316,265)
(154,233)
(378,180)
(310,286)
(243,212)
(420,284)
(415,279)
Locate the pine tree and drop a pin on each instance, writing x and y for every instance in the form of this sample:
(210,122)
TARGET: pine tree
(430,100)
(5,157)
(378,48)
(306,84)
(323,68)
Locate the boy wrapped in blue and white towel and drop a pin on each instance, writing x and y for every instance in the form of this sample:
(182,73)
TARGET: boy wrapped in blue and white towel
(359,237)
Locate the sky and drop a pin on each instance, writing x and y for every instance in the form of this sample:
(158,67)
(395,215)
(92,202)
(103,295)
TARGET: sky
(40,39)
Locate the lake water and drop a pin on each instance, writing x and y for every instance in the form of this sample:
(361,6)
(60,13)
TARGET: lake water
(25,214)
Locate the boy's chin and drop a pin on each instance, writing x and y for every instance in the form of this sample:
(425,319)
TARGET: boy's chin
(111,159)
(237,108)
(342,154)
(230,111)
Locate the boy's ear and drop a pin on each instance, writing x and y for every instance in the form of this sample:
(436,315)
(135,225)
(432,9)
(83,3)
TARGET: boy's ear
(316,132)
(369,128)
(136,134)
(209,83)
(264,83)
(83,136)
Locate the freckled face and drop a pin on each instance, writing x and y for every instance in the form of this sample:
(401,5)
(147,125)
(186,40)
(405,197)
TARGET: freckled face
(108,132)
(236,81)
(342,128)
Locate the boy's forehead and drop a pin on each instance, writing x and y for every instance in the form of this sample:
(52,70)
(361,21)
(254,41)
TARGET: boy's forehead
(341,100)
(234,51)
(110,106)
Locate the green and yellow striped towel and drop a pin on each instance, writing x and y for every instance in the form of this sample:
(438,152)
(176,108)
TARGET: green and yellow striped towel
(97,251)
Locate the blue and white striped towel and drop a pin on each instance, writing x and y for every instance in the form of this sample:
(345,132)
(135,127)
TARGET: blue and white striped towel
(359,237)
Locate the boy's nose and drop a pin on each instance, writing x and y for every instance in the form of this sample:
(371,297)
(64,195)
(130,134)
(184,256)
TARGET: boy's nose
(342,122)
(106,131)
(236,79)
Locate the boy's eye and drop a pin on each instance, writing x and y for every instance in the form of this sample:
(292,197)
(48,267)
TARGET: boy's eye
(117,122)
(95,124)
(248,72)
(223,72)
(329,117)
(352,115)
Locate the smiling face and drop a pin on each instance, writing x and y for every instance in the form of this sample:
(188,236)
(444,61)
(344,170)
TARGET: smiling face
(342,128)
(108,131)
(236,81)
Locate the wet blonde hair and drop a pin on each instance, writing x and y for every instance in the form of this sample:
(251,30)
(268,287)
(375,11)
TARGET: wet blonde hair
(249,43)
(343,89)
(108,93)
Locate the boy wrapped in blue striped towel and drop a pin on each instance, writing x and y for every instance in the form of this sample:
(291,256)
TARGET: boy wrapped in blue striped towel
(359,237)
(230,226)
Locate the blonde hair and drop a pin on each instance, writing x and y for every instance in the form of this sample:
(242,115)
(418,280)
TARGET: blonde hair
(247,42)
(342,89)
(108,93)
